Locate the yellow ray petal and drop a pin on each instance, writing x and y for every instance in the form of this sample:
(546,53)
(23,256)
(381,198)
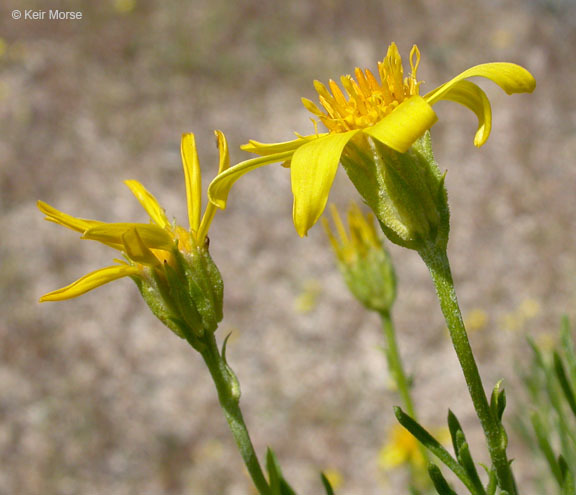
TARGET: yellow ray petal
(90,281)
(136,249)
(56,216)
(472,97)
(263,149)
(224,164)
(153,236)
(313,169)
(222,143)
(220,187)
(404,125)
(510,77)
(193,179)
(148,202)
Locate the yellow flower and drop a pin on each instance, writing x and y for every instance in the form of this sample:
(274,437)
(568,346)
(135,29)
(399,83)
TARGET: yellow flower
(402,448)
(148,248)
(389,111)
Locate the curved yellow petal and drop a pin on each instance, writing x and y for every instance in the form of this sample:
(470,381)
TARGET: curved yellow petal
(314,167)
(220,187)
(90,281)
(511,78)
(56,216)
(222,143)
(224,164)
(152,236)
(472,97)
(136,249)
(193,178)
(404,125)
(148,202)
(263,149)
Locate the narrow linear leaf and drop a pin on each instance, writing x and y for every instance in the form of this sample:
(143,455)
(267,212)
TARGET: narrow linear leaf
(274,475)
(545,447)
(440,483)
(327,485)
(454,427)
(492,481)
(466,461)
(564,383)
(568,347)
(462,450)
(568,487)
(436,448)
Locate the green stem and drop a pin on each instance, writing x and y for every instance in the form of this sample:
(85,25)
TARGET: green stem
(395,363)
(397,370)
(437,262)
(229,395)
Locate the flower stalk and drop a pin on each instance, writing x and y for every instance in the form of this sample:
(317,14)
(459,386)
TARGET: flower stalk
(436,260)
(228,389)
(401,380)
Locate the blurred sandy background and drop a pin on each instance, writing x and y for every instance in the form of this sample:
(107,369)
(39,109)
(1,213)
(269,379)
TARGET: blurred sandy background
(96,397)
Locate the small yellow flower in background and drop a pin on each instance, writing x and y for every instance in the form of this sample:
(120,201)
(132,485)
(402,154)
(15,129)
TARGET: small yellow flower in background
(476,320)
(529,308)
(402,448)
(517,319)
(124,6)
(390,111)
(362,258)
(334,476)
(307,300)
(169,263)
(546,341)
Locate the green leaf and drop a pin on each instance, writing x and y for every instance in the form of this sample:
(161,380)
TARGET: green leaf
(492,480)
(440,483)
(564,383)
(568,487)
(568,347)
(436,448)
(454,427)
(462,450)
(466,461)
(327,485)
(542,438)
(278,485)
(498,401)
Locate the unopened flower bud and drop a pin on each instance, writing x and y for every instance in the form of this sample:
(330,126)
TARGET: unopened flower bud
(363,259)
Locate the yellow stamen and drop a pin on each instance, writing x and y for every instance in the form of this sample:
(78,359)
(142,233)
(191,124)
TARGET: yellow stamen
(365,101)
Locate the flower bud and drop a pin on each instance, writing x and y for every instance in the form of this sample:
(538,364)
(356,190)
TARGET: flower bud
(363,260)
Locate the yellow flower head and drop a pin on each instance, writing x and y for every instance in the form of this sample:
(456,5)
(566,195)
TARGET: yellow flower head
(367,101)
(147,247)
(389,111)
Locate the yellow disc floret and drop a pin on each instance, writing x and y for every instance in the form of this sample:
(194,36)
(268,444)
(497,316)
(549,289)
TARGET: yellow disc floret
(366,101)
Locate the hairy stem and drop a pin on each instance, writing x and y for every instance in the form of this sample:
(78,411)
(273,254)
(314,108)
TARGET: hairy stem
(437,262)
